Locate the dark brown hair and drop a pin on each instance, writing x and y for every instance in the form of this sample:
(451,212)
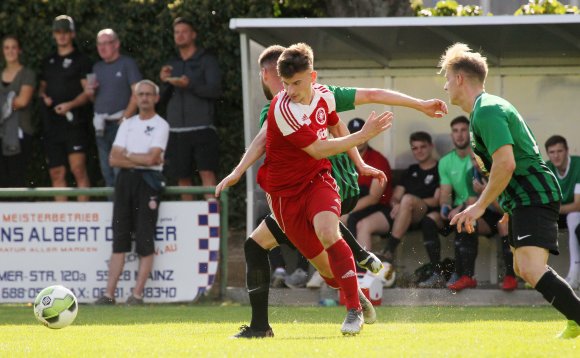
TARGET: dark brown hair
(460,119)
(296,58)
(556,139)
(420,137)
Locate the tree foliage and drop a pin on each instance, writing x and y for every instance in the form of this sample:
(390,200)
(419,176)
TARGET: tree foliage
(545,7)
(445,8)
(144,28)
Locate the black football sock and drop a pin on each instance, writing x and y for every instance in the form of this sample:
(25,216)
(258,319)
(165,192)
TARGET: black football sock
(276,258)
(458,261)
(468,252)
(391,248)
(258,283)
(559,294)
(357,250)
(508,257)
(431,242)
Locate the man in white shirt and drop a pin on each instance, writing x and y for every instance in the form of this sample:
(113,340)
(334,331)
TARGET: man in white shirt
(138,151)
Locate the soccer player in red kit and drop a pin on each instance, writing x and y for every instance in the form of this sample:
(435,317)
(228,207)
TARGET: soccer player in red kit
(296,176)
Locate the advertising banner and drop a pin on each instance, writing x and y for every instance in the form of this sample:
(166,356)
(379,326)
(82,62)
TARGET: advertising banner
(48,243)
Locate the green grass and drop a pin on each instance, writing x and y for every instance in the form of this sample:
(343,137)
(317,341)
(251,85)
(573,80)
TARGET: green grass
(204,330)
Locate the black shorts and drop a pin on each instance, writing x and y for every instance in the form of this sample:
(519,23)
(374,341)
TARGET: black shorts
(135,212)
(278,234)
(348,204)
(57,148)
(535,226)
(562,221)
(491,218)
(186,148)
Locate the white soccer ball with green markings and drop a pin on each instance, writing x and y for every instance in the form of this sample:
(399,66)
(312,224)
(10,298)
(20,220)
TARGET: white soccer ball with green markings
(56,307)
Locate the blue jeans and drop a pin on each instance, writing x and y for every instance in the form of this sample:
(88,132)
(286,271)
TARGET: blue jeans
(104,145)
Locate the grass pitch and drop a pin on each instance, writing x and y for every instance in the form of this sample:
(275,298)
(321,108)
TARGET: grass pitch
(204,330)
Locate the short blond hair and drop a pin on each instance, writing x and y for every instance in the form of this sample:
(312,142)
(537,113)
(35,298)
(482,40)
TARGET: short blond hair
(459,57)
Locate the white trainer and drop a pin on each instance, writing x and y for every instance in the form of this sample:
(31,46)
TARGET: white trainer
(369,312)
(353,322)
(315,281)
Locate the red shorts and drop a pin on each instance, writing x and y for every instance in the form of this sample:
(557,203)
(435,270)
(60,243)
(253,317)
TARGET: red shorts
(295,214)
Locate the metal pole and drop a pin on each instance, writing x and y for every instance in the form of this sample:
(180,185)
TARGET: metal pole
(224,236)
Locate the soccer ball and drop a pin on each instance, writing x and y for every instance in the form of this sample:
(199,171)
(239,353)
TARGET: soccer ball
(388,275)
(56,307)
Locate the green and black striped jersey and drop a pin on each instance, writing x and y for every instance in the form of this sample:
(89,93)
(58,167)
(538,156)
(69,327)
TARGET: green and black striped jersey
(343,168)
(494,123)
(344,172)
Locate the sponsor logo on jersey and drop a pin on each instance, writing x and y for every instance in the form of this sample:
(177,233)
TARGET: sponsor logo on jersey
(321,116)
(322,133)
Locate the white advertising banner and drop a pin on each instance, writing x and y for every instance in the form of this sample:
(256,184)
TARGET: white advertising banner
(48,243)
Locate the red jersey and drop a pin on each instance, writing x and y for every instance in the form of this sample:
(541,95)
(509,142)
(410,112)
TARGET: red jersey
(287,169)
(377,160)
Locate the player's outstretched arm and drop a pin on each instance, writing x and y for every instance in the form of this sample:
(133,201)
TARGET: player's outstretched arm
(434,108)
(373,126)
(256,149)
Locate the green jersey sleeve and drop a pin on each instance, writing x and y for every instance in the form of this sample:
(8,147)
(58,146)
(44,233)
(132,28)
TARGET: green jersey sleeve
(344,97)
(264,114)
(493,128)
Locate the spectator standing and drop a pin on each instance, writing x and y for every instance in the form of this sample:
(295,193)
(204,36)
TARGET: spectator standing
(192,82)
(138,151)
(567,171)
(111,90)
(16,128)
(64,112)
(374,196)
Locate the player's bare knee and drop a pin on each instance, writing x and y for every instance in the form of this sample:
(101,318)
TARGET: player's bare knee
(263,237)
(531,273)
(327,234)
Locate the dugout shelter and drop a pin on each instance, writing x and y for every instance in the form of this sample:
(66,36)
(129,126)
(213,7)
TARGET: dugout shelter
(534,62)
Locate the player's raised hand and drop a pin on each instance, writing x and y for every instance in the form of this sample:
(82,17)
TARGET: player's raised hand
(377,124)
(367,170)
(434,108)
(467,218)
(226,182)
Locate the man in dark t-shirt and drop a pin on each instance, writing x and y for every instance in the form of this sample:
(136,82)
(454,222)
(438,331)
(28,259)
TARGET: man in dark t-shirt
(415,200)
(65,116)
